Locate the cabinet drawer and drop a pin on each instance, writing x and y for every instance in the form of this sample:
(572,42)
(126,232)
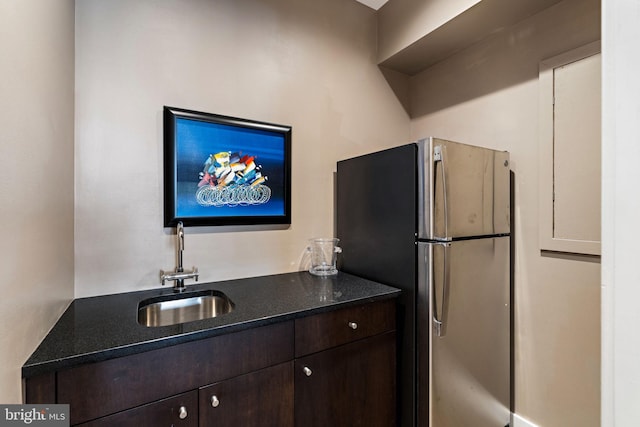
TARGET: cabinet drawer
(104,388)
(326,330)
(260,399)
(163,413)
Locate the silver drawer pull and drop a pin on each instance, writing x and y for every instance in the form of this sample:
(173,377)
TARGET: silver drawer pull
(215,402)
(182,412)
(307,371)
(353,325)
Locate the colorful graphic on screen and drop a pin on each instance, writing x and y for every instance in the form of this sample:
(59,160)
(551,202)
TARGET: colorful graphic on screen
(230,180)
(224,170)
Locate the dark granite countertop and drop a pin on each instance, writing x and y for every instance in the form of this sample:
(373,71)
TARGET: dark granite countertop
(105,327)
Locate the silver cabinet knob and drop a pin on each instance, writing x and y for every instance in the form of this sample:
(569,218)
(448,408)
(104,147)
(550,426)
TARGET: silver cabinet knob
(307,371)
(215,401)
(182,412)
(353,325)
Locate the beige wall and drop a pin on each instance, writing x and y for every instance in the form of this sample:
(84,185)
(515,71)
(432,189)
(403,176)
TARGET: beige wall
(36,177)
(300,62)
(403,22)
(488,95)
(296,62)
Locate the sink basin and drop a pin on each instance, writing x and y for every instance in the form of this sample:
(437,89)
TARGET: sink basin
(182,308)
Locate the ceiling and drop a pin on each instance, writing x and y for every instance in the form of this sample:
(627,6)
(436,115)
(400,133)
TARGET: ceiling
(373,4)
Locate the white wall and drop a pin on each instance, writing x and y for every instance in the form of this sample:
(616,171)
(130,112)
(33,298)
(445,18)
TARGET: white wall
(488,95)
(304,63)
(36,177)
(621,209)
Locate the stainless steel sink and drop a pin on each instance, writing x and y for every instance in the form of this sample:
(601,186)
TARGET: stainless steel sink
(182,308)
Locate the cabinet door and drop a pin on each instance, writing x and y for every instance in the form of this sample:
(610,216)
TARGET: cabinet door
(351,385)
(177,411)
(263,398)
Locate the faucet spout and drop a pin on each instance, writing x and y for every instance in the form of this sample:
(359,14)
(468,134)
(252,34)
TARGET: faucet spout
(179,275)
(180,237)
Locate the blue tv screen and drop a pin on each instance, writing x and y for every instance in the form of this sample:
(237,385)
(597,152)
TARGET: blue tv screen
(222,170)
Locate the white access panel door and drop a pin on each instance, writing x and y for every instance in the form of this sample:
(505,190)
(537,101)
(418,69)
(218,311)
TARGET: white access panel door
(576,150)
(570,146)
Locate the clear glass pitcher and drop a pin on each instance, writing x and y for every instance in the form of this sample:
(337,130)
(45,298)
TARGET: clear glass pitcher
(324,253)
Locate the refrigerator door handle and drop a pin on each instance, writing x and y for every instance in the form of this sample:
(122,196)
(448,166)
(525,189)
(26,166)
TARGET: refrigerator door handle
(439,156)
(440,321)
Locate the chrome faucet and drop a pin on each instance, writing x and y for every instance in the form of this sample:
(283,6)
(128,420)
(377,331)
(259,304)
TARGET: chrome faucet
(179,275)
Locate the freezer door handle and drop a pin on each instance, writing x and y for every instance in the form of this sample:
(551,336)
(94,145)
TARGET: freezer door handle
(439,157)
(440,311)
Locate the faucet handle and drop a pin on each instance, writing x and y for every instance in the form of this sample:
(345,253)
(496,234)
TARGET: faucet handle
(163,277)
(195,273)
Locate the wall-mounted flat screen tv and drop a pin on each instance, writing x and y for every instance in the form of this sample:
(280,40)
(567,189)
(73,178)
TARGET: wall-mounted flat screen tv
(221,170)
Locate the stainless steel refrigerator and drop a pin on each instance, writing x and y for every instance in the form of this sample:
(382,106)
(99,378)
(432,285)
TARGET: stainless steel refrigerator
(433,218)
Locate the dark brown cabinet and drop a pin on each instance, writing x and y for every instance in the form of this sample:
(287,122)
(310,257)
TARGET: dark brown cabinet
(351,385)
(353,381)
(331,369)
(105,388)
(177,411)
(262,398)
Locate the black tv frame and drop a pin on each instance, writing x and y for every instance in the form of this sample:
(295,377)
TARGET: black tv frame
(171,217)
